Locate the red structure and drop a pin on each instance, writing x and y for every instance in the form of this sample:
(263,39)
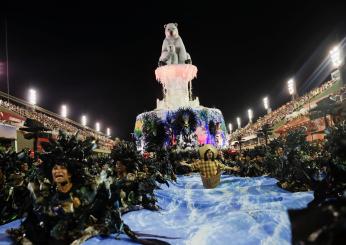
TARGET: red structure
(314,128)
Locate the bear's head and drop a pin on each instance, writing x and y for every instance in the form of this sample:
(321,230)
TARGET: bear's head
(171,30)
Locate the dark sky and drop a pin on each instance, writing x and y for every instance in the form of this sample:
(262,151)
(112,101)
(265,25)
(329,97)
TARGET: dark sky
(100,60)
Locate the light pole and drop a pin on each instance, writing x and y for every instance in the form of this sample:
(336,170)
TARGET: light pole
(230,127)
(64,111)
(7,73)
(32,97)
(292,88)
(84,120)
(97,126)
(250,115)
(266,104)
(335,55)
(337,60)
(238,122)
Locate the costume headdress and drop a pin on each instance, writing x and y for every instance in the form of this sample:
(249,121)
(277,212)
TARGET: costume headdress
(203,149)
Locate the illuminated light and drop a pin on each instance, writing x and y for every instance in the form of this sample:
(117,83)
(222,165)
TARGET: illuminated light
(32,96)
(230,127)
(238,122)
(266,103)
(291,86)
(84,120)
(108,132)
(250,115)
(97,127)
(335,55)
(64,111)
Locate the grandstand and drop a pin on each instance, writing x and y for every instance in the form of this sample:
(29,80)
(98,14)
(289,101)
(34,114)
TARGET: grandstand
(291,115)
(14,112)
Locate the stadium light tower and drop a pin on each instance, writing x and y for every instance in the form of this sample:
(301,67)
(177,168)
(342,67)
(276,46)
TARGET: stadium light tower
(230,127)
(84,120)
(266,104)
(250,115)
(64,111)
(337,59)
(335,55)
(292,88)
(32,97)
(238,122)
(97,127)
(108,132)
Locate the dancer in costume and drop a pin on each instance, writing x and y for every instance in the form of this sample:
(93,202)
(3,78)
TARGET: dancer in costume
(209,168)
(70,206)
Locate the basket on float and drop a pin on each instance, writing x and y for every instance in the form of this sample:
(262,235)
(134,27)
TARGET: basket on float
(211,182)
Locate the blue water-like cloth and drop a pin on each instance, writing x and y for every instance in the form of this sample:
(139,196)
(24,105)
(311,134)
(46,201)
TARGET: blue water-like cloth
(238,211)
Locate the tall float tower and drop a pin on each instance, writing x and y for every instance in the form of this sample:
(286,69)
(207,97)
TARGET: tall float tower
(179,121)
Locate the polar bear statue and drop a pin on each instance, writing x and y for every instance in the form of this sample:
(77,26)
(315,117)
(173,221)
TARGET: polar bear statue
(172,56)
(173,49)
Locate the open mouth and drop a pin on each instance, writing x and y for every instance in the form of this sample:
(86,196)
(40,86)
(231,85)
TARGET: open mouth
(58,176)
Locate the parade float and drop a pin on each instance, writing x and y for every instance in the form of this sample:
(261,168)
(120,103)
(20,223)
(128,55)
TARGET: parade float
(179,120)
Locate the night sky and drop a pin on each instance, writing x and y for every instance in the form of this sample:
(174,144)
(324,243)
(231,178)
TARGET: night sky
(100,60)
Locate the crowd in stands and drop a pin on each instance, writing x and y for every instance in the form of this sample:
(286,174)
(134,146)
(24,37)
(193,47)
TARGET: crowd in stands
(55,124)
(282,113)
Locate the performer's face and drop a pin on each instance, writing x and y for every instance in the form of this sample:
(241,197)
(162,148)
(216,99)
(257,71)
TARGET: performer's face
(280,151)
(60,174)
(24,167)
(209,154)
(120,167)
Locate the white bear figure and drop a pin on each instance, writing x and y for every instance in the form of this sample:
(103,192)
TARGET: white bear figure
(172,56)
(173,49)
